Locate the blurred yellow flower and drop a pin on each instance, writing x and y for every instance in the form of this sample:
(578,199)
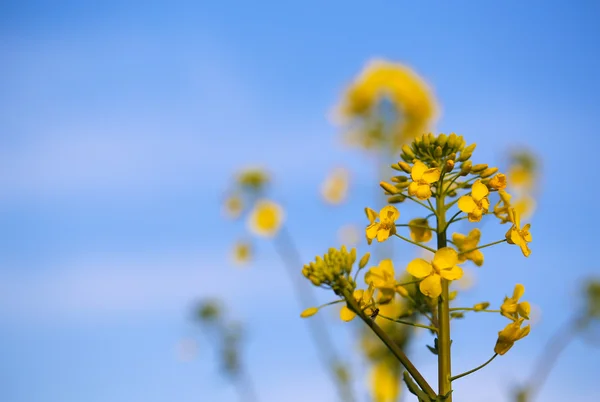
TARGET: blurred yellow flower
(501,212)
(511,308)
(422,179)
(253,178)
(386,226)
(469,242)
(382,278)
(266,218)
(242,252)
(233,206)
(525,206)
(364,298)
(444,265)
(335,187)
(384,382)
(407,92)
(517,235)
(521,177)
(420,230)
(498,182)
(476,204)
(509,335)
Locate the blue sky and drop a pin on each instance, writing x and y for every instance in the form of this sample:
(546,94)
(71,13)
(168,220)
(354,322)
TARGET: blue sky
(121,124)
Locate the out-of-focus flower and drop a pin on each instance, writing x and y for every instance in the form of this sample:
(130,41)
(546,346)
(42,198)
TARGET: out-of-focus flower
(384,382)
(335,187)
(381,81)
(420,230)
(517,235)
(422,179)
(476,204)
(364,298)
(444,265)
(382,278)
(469,242)
(242,252)
(511,308)
(509,335)
(266,218)
(233,206)
(524,205)
(253,179)
(386,226)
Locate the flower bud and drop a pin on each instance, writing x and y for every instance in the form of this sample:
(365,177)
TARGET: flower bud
(441,140)
(399,179)
(452,141)
(465,168)
(480,167)
(405,167)
(389,188)
(395,199)
(402,291)
(449,165)
(364,260)
(481,306)
(466,153)
(408,152)
(438,152)
(309,312)
(488,172)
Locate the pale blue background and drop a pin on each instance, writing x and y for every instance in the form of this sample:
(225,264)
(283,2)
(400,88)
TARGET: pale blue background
(121,124)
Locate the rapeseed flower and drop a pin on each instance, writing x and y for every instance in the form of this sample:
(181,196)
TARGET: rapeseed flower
(386,226)
(266,218)
(335,188)
(469,242)
(444,265)
(364,298)
(476,204)
(382,278)
(420,230)
(509,335)
(511,308)
(422,178)
(517,235)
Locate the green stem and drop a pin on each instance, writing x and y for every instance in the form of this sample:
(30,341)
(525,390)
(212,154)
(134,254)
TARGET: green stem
(456,377)
(392,346)
(484,246)
(472,309)
(414,324)
(406,225)
(415,243)
(420,203)
(452,220)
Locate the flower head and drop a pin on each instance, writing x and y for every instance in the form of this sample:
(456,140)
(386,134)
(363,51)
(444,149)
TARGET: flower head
(386,226)
(476,204)
(444,265)
(469,242)
(266,218)
(335,187)
(383,279)
(364,299)
(517,235)
(498,182)
(420,230)
(509,335)
(511,308)
(254,179)
(422,178)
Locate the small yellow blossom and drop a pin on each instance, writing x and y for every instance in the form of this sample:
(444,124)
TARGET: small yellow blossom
(422,178)
(443,266)
(501,212)
(481,306)
(266,218)
(498,182)
(364,298)
(469,242)
(511,308)
(386,226)
(309,312)
(382,278)
(517,235)
(420,230)
(477,203)
(233,206)
(335,187)
(384,382)
(509,335)
(242,252)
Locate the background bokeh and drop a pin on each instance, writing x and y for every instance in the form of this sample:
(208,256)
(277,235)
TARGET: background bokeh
(122,123)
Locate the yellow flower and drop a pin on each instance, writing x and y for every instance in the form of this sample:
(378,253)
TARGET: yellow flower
(521,176)
(443,266)
(253,178)
(382,278)
(335,187)
(384,382)
(475,204)
(511,308)
(233,206)
(364,298)
(266,218)
(517,235)
(501,212)
(242,251)
(498,182)
(386,226)
(469,242)
(509,335)
(420,232)
(422,179)
(524,205)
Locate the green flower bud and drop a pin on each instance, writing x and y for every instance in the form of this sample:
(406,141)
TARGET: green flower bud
(441,140)
(465,168)
(364,260)
(408,152)
(395,199)
(438,152)
(389,188)
(488,172)
(480,167)
(466,153)
(405,167)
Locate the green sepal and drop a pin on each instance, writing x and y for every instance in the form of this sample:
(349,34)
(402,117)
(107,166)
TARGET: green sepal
(415,390)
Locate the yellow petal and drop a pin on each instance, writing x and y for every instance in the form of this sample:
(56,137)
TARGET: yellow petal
(417,171)
(431,286)
(519,291)
(372,230)
(445,257)
(458,239)
(383,234)
(466,204)
(524,309)
(389,212)
(477,257)
(375,276)
(475,215)
(387,268)
(266,218)
(423,191)
(419,268)
(452,274)
(346,314)
(413,187)
(479,190)
(384,383)
(372,215)
(431,175)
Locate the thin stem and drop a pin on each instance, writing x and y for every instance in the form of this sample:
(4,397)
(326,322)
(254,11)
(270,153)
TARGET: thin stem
(420,203)
(407,225)
(452,220)
(415,243)
(392,346)
(456,377)
(484,246)
(473,309)
(320,336)
(430,204)
(414,324)
(452,182)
